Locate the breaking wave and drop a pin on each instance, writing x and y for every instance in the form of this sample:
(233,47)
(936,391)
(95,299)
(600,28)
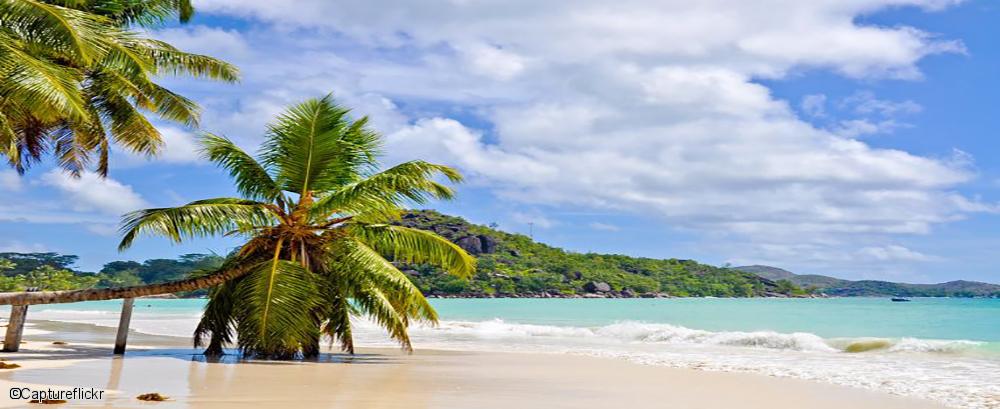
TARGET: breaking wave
(640,332)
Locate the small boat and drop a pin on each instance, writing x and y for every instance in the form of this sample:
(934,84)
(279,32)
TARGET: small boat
(900,299)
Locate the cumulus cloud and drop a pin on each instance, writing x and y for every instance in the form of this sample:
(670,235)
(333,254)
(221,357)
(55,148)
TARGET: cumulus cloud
(90,192)
(179,146)
(492,61)
(650,107)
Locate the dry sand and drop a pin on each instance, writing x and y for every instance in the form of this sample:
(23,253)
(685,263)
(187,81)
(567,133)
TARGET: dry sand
(389,379)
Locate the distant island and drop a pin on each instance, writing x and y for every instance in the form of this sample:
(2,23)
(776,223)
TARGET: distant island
(509,265)
(868,288)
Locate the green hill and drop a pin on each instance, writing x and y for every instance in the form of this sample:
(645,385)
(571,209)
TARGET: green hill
(513,265)
(874,288)
(801,280)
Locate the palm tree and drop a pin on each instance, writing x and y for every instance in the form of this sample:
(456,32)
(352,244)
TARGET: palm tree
(316,213)
(72,82)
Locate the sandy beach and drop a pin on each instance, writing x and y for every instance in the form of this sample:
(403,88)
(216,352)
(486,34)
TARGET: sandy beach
(386,378)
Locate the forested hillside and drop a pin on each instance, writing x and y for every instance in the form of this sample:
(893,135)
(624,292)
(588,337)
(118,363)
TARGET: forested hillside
(513,265)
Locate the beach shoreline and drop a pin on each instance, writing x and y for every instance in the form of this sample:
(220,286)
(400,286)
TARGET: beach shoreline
(388,378)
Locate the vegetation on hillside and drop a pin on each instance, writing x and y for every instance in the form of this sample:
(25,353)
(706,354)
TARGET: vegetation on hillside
(513,265)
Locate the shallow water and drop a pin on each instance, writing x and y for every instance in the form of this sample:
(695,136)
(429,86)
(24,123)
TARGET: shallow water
(942,349)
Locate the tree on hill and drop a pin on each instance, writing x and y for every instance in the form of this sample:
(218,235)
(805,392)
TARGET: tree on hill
(23,263)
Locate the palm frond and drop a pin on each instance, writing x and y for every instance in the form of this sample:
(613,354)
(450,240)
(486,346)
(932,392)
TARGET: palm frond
(364,267)
(385,192)
(252,180)
(146,13)
(47,89)
(76,34)
(195,219)
(376,306)
(273,313)
(415,246)
(314,146)
(215,329)
(170,60)
(337,316)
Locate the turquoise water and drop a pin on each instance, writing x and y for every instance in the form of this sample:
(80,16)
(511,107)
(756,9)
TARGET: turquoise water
(926,318)
(930,318)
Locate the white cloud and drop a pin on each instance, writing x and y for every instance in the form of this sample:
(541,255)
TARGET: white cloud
(90,192)
(865,103)
(533,218)
(179,146)
(492,62)
(814,105)
(217,42)
(869,115)
(10,180)
(853,128)
(651,107)
(893,253)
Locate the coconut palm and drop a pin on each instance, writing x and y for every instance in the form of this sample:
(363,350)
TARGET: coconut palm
(73,82)
(316,213)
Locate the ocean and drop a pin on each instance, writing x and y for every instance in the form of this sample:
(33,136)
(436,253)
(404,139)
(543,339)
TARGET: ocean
(942,349)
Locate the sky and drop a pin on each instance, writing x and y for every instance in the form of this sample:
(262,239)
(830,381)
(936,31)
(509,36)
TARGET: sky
(856,138)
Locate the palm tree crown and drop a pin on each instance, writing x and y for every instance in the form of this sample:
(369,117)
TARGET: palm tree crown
(75,79)
(315,210)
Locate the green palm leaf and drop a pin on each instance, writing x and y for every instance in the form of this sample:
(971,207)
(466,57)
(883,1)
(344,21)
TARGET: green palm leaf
(77,34)
(383,193)
(415,246)
(272,313)
(252,180)
(216,327)
(43,87)
(315,147)
(195,219)
(76,65)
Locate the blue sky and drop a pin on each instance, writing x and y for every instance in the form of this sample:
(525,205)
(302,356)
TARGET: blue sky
(848,137)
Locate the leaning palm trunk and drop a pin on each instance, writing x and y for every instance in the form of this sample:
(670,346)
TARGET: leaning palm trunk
(316,212)
(98,294)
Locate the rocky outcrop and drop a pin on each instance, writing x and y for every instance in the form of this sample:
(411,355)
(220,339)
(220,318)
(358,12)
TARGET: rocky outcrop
(476,245)
(471,244)
(597,287)
(489,244)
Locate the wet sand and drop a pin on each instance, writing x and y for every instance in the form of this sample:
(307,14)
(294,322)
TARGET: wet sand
(382,378)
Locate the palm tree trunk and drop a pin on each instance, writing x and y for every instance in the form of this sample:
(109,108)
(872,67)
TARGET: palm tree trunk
(97,294)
